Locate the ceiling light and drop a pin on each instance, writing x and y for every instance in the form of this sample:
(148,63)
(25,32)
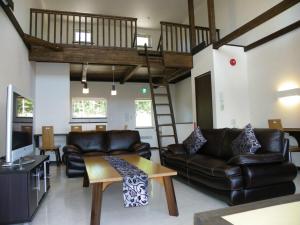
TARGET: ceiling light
(113,88)
(85,89)
(84,73)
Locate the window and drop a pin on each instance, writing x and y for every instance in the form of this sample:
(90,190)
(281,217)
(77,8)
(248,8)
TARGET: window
(143,112)
(141,40)
(89,108)
(80,36)
(24,107)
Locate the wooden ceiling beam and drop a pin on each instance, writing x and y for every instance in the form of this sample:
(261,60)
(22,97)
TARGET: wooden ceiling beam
(272,36)
(130,73)
(269,14)
(178,73)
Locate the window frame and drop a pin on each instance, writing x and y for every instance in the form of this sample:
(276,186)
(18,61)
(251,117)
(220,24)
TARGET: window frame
(88,118)
(81,41)
(144,36)
(151,113)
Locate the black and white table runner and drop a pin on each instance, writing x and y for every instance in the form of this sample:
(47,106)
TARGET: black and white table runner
(135,182)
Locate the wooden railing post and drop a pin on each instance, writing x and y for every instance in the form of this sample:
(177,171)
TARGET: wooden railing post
(192,24)
(211,20)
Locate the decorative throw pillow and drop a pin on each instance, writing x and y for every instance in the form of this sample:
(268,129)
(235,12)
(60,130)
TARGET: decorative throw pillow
(246,142)
(194,142)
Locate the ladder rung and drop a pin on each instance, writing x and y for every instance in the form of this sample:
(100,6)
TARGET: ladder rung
(162,104)
(159,85)
(167,135)
(159,94)
(166,114)
(165,125)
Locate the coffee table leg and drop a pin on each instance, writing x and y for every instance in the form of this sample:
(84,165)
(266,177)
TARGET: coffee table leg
(170,195)
(96,203)
(86,182)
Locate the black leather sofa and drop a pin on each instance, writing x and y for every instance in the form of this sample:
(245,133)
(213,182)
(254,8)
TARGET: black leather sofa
(238,178)
(102,143)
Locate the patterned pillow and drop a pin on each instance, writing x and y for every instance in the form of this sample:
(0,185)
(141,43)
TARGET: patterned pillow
(194,142)
(246,142)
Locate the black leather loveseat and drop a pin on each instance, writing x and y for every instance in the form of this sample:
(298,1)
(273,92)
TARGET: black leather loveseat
(92,143)
(238,178)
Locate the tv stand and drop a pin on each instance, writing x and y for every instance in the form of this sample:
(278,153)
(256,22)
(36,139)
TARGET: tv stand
(22,189)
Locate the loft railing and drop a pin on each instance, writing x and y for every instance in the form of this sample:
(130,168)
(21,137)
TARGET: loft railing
(73,28)
(175,37)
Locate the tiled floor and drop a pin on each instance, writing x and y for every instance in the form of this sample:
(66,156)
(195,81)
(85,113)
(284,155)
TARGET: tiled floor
(68,203)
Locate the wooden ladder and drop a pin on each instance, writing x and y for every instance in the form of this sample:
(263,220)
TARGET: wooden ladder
(167,103)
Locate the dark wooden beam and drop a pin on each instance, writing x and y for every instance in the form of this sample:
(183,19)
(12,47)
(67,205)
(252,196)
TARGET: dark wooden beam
(192,23)
(274,11)
(176,60)
(130,73)
(33,41)
(13,20)
(212,21)
(107,56)
(272,36)
(177,74)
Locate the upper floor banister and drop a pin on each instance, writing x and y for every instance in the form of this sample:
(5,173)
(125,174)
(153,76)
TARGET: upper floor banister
(175,37)
(74,28)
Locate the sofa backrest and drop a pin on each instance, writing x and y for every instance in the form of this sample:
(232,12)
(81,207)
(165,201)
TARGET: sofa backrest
(271,140)
(220,141)
(213,146)
(88,141)
(122,139)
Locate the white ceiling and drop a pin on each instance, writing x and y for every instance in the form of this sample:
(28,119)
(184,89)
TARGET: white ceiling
(148,12)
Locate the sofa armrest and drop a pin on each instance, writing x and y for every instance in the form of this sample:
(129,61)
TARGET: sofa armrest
(177,149)
(252,159)
(71,149)
(138,147)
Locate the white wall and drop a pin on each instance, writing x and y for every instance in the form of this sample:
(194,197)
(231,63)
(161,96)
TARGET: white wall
(22,11)
(52,96)
(229,85)
(269,67)
(231,88)
(183,101)
(15,69)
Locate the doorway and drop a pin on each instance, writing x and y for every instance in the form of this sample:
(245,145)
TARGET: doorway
(204,107)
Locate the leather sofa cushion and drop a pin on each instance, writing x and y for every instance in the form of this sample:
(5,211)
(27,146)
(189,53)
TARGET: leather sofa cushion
(230,135)
(121,140)
(175,160)
(79,158)
(122,152)
(215,138)
(271,140)
(248,159)
(88,141)
(268,174)
(213,166)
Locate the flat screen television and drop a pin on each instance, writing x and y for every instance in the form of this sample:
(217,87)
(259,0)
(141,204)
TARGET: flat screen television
(19,125)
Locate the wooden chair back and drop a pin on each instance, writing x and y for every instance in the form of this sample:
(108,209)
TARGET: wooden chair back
(76,128)
(47,138)
(275,124)
(100,127)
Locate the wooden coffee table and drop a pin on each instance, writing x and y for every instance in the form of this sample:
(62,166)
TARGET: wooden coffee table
(101,174)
